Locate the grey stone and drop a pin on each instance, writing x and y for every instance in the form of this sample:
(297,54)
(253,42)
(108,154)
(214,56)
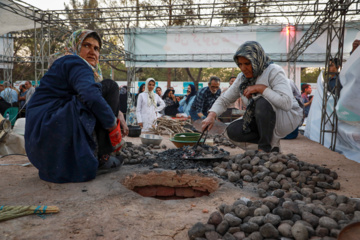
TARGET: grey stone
(255,236)
(220,171)
(346,208)
(233,177)
(278,193)
(272,199)
(241,211)
(239,235)
(272,219)
(263,185)
(245,172)
(299,231)
(247,178)
(327,222)
(228,209)
(247,166)
(215,218)
(262,193)
(285,230)
(338,215)
(222,227)
(228,236)
(319,212)
(269,231)
(255,161)
(262,211)
(356,216)
(321,231)
(334,233)
(233,230)
(307,192)
(310,218)
(274,185)
(198,230)
(212,235)
(283,213)
(249,227)
(292,206)
(277,167)
(232,220)
(259,220)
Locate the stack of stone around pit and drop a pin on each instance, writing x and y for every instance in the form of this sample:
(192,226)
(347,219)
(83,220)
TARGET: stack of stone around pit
(295,205)
(292,216)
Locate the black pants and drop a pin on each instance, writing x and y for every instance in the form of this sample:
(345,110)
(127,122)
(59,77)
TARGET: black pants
(262,126)
(110,92)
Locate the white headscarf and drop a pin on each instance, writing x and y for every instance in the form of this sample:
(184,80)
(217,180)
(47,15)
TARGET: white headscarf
(151,95)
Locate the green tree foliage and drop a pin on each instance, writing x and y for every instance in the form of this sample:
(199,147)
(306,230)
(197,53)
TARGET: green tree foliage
(310,75)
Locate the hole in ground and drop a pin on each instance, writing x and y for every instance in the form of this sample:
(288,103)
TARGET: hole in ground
(169,185)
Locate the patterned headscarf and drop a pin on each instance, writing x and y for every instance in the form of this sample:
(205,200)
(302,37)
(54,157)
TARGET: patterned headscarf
(151,95)
(252,51)
(73,47)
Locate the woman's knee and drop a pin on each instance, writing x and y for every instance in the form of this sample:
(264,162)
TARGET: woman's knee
(263,108)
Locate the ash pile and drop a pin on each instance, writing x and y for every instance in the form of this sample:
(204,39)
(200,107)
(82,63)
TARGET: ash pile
(201,157)
(188,157)
(293,201)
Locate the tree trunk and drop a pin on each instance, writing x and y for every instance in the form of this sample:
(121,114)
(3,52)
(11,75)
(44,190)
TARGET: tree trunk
(169,78)
(197,80)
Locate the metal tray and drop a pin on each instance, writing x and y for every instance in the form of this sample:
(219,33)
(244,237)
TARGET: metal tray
(218,157)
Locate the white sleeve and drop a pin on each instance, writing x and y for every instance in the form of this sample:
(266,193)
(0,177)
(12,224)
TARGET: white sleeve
(279,93)
(160,102)
(139,107)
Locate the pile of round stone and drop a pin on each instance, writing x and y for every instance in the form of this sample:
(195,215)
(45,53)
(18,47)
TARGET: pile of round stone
(292,216)
(222,140)
(134,154)
(272,171)
(295,202)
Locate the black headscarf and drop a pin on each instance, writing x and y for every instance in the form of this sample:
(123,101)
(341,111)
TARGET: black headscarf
(193,93)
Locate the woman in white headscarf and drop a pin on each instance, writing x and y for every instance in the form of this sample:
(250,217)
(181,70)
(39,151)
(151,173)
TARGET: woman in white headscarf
(148,106)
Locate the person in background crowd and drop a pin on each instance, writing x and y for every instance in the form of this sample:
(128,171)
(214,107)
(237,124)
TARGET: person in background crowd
(8,98)
(141,89)
(148,106)
(272,111)
(171,103)
(355,44)
(123,100)
(306,91)
(188,100)
(22,97)
(71,127)
(227,115)
(334,77)
(158,91)
(30,90)
(205,98)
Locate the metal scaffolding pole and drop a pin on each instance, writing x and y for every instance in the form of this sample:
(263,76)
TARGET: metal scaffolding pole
(131,72)
(7,57)
(329,120)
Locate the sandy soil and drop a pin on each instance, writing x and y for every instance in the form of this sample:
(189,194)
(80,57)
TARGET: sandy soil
(106,209)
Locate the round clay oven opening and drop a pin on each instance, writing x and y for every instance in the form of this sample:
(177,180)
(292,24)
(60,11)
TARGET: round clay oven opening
(170,185)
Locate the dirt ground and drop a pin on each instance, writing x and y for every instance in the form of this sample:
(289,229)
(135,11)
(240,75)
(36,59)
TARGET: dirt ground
(106,209)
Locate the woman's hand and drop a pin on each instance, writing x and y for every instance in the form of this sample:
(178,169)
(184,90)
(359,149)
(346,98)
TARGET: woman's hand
(141,124)
(209,121)
(257,88)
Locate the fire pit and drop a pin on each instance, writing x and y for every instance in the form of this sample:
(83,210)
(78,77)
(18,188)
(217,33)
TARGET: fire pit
(170,185)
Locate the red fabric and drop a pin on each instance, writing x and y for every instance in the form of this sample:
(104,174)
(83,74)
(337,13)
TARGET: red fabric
(115,136)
